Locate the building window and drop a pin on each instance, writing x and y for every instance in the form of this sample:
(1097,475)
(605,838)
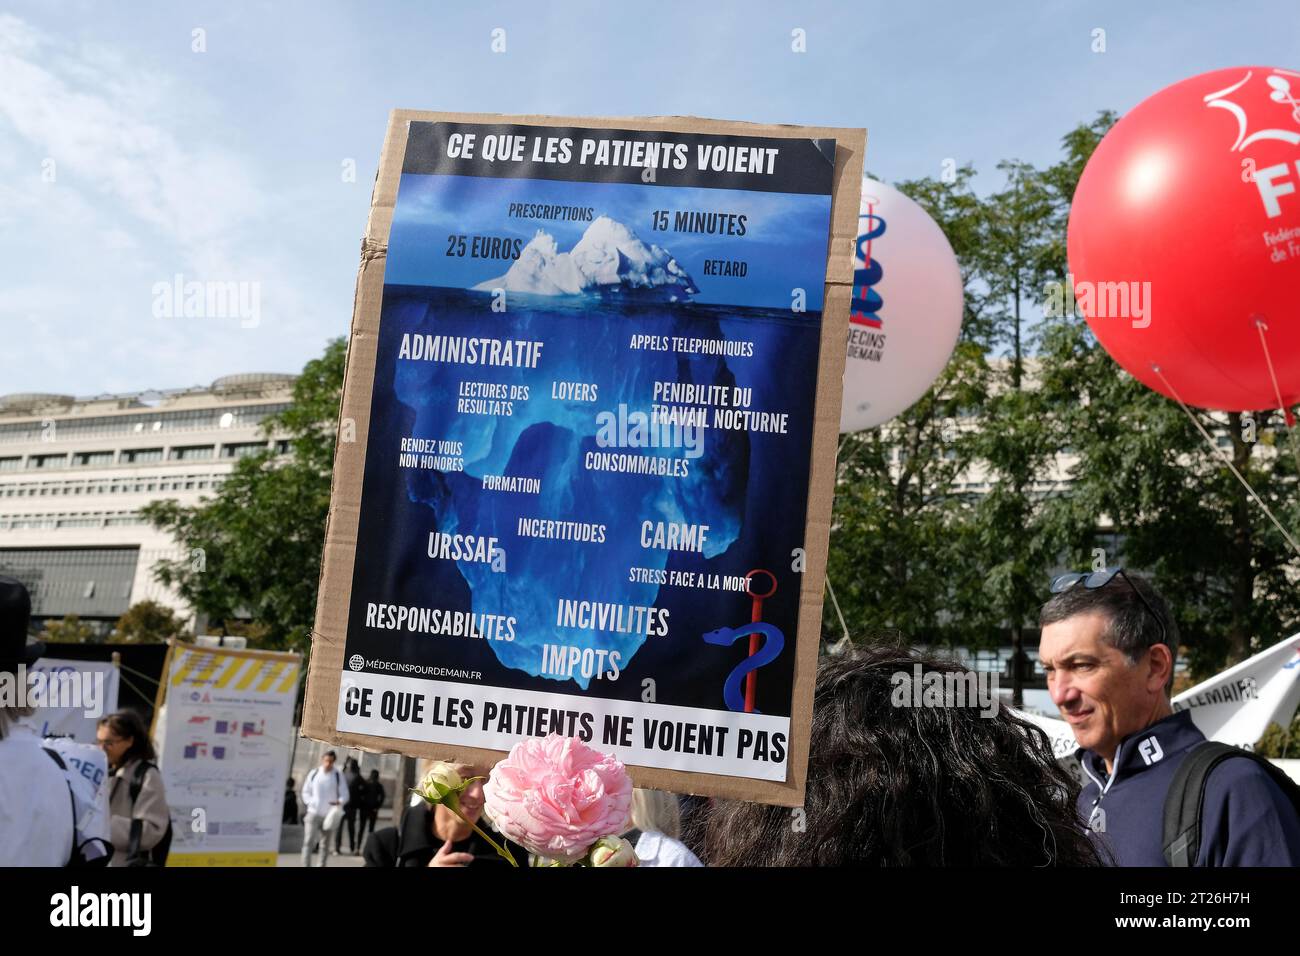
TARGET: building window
(192,452)
(79,522)
(90,582)
(242,449)
(77,428)
(90,459)
(11,464)
(139,456)
(47,461)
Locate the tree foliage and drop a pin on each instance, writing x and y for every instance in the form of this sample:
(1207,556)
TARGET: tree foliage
(147,622)
(71,630)
(1079,462)
(254,549)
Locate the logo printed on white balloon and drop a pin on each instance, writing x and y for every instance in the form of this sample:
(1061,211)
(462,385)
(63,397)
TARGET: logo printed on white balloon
(906,308)
(866,300)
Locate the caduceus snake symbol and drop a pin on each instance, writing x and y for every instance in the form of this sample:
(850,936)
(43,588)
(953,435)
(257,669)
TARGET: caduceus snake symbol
(736,699)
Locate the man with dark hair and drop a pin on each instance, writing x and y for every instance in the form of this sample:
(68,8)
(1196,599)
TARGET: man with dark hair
(1108,643)
(372,801)
(351,809)
(324,791)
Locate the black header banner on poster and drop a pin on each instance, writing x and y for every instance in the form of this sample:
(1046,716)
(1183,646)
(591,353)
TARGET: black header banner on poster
(652,158)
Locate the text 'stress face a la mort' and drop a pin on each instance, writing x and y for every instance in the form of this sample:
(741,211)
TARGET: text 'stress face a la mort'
(586,475)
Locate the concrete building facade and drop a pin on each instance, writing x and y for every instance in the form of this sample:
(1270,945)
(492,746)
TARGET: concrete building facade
(75,472)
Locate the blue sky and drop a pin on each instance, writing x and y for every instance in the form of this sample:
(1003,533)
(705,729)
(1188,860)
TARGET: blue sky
(127,158)
(784,245)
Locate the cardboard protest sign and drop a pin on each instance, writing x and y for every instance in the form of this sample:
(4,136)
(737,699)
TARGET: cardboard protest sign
(587,445)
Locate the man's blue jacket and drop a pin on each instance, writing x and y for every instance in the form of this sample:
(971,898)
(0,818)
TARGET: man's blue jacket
(1247,819)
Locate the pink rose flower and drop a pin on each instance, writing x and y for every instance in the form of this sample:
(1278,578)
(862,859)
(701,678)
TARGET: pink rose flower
(556,796)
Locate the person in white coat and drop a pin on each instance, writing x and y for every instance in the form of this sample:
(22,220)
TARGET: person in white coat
(325,792)
(36,813)
(657,829)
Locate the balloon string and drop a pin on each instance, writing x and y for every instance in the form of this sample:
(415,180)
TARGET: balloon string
(838,612)
(1287,418)
(841,463)
(1226,460)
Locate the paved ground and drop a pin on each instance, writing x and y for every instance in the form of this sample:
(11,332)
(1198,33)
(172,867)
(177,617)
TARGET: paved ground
(335,859)
(291,846)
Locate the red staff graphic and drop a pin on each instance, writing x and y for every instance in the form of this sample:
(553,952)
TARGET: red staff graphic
(751,679)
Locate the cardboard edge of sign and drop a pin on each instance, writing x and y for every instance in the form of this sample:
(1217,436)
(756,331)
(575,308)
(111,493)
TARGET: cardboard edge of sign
(326,663)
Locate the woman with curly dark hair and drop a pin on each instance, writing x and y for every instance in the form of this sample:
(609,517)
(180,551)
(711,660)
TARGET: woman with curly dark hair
(910,785)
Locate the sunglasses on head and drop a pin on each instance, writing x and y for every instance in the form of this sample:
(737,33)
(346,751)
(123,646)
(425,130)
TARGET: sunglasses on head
(1099,579)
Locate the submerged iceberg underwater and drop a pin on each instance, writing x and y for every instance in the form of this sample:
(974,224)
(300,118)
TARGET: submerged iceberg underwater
(547,438)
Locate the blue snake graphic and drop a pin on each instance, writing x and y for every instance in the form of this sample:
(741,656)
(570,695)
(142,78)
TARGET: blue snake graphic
(774,642)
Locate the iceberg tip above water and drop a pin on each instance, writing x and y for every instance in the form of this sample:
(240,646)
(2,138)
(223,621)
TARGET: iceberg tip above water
(609,258)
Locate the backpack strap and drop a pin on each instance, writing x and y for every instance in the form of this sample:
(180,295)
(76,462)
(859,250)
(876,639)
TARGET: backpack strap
(55,756)
(1185,801)
(137,778)
(137,825)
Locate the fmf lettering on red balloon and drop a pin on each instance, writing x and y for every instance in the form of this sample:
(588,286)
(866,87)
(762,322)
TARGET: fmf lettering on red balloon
(1274,181)
(866,300)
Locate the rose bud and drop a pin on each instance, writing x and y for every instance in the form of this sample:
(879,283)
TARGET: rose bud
(612,851)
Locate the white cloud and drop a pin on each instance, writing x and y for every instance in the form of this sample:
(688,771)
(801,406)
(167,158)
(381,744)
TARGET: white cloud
(88,114)
(147,185)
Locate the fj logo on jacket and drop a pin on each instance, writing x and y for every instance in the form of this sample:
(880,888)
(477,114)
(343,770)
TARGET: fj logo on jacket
(1149,750)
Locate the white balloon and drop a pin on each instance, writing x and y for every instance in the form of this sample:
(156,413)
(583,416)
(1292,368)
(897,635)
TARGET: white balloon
(907,308)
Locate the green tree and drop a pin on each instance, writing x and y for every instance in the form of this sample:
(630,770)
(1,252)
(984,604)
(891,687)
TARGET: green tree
(147,622)
(1016,442)
(71,630)
(255,547)
(1174,508)
(1084,463)
(898,559)
(1280,742)
(1014,258)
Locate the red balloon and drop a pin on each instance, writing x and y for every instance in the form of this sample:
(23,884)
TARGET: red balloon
(1185,230)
